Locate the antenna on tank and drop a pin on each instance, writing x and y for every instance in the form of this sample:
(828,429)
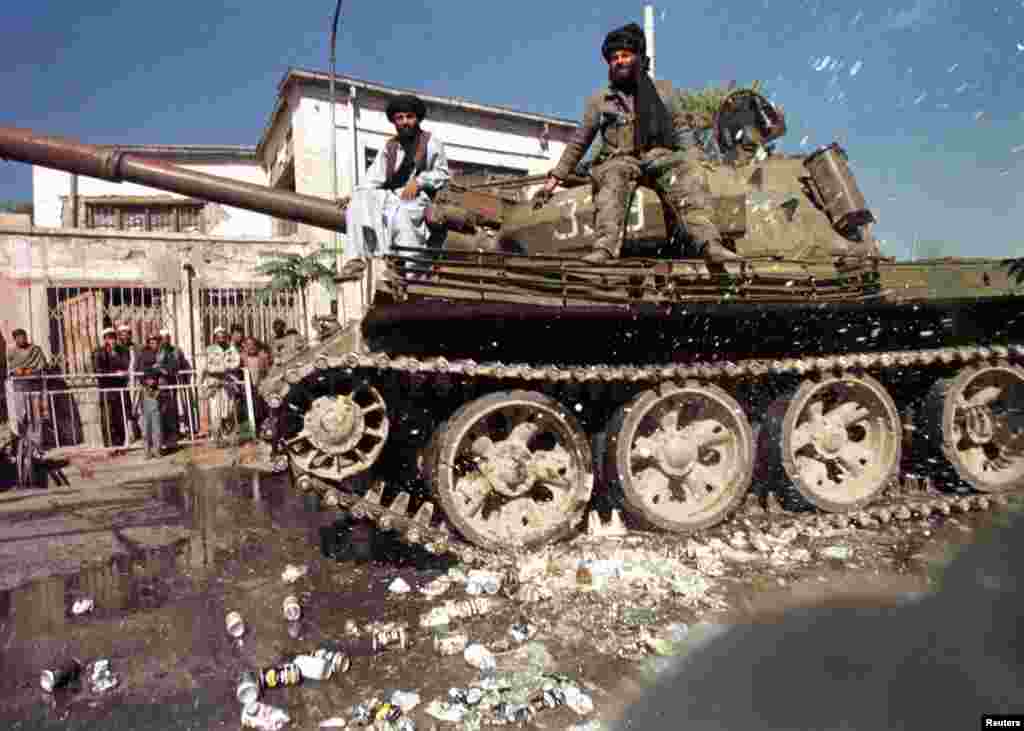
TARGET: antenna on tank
(649,35)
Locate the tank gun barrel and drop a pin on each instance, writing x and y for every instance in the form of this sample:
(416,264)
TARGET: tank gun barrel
(118,166)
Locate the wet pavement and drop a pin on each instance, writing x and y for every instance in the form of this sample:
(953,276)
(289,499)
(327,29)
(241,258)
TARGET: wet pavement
(165,559)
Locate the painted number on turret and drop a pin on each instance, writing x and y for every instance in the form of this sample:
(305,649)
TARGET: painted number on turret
(574,222)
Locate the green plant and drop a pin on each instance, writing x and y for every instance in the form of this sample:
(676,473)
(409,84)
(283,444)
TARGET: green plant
(296,272)
(702,104)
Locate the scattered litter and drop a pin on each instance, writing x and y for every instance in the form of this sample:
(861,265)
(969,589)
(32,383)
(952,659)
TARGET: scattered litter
(840,553)
(248,688)
(579,702)
(263,716)
(444,711)
(479,657)
(291,608)
(65,674)
(335,722)
(313,668)
(399,586)
(293,573)
(458,609)
(437,587)
(82,606)
(102,678)
(522,632)
(482,582)
(405,699)
(234,624)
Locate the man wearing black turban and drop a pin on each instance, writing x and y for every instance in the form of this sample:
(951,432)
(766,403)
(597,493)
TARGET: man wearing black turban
(636,128)
(389,207)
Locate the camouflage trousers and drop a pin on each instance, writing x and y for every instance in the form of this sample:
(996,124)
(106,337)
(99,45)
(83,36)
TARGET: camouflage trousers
(682,189)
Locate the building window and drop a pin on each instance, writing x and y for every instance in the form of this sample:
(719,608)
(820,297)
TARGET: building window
(371,156)
(177,217)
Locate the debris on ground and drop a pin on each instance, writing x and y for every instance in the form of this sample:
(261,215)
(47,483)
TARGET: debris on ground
(405,699)
(293,573)
(840,553)
(234,624)
(479,657)
(291,608)
(82,606)
(450,610)
(334,722)
(399,586)
(264,717)
(102,677)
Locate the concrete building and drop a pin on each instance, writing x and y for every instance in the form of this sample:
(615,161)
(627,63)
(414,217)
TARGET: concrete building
(100,253)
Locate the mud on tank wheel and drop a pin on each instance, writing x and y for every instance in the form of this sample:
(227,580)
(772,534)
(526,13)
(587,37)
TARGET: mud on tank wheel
(512,469)
(680,457)
(978,419)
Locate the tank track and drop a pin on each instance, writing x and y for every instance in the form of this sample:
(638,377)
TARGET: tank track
(910,498)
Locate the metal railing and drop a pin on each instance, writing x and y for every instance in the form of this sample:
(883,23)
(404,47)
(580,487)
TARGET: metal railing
(73,410)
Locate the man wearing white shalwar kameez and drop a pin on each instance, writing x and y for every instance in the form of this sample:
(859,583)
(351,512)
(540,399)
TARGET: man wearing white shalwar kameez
(389,207)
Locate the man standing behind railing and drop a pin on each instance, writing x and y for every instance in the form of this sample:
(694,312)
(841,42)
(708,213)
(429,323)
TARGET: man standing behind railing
(23,361)
(171,361)
(114,400)
(126,355)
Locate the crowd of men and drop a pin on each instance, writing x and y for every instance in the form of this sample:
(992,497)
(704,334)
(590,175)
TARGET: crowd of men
(145,388)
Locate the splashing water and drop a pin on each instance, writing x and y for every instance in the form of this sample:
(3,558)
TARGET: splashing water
(924,95)
(823,64)
(952,68)
(855,69)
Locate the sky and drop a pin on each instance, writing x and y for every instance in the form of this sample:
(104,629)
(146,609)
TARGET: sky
(925,95)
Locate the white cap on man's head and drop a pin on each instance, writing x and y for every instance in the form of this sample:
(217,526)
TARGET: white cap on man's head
(165,331)
(124,328)
(218,330)
(109,331)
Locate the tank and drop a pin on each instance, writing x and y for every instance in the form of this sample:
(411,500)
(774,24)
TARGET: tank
(498,393)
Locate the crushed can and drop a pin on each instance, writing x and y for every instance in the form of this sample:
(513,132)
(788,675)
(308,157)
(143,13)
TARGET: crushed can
(280,675)
(337,661)
(386,712)
(390,638)
(61,676)
(291,607)
(312,668)
(248,689)
(234,624)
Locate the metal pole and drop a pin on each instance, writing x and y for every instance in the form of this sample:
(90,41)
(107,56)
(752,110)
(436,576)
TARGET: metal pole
(334,130)
(649,35)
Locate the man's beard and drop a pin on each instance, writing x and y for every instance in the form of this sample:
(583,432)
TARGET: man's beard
(623,77)
(407,134)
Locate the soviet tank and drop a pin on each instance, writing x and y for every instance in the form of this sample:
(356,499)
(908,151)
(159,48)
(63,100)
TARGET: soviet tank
(500,386)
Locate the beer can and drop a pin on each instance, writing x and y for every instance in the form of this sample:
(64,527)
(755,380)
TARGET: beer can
(337,661)
(234,624)
(311,667)
(280,675)
(450,643)
(390,638)
(386,712)
(248,689)
(292,609)
(59,677)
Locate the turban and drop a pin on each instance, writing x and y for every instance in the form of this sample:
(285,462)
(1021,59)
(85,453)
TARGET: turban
(627,38)
(407,103)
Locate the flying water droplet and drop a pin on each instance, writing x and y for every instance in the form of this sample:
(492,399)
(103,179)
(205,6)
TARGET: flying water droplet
(1005,171)
(1020,47)
(823,64)
(1017,149)
(952,68)
(803,142)
(856,68)
(962,88)
(978,115)
(860,14)
(921,98)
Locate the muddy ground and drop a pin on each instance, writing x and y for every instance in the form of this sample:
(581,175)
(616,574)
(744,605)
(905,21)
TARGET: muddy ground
(179,548)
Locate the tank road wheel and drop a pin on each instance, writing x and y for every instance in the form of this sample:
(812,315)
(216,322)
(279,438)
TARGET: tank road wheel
(841,440)
(342,434)
(682,456)
(978,417)
(512,469)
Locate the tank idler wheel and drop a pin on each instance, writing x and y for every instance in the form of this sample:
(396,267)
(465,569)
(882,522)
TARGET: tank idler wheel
(841,441)
(682,456)
(342,434)
(512,469)
(978,417)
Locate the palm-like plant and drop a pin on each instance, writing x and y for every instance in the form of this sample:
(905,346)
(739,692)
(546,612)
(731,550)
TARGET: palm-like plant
(289,271)
(703,104)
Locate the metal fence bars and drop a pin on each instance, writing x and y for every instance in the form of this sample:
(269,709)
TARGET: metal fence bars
(98,411)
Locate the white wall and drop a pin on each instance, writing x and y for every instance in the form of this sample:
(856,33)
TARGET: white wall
(48,187)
